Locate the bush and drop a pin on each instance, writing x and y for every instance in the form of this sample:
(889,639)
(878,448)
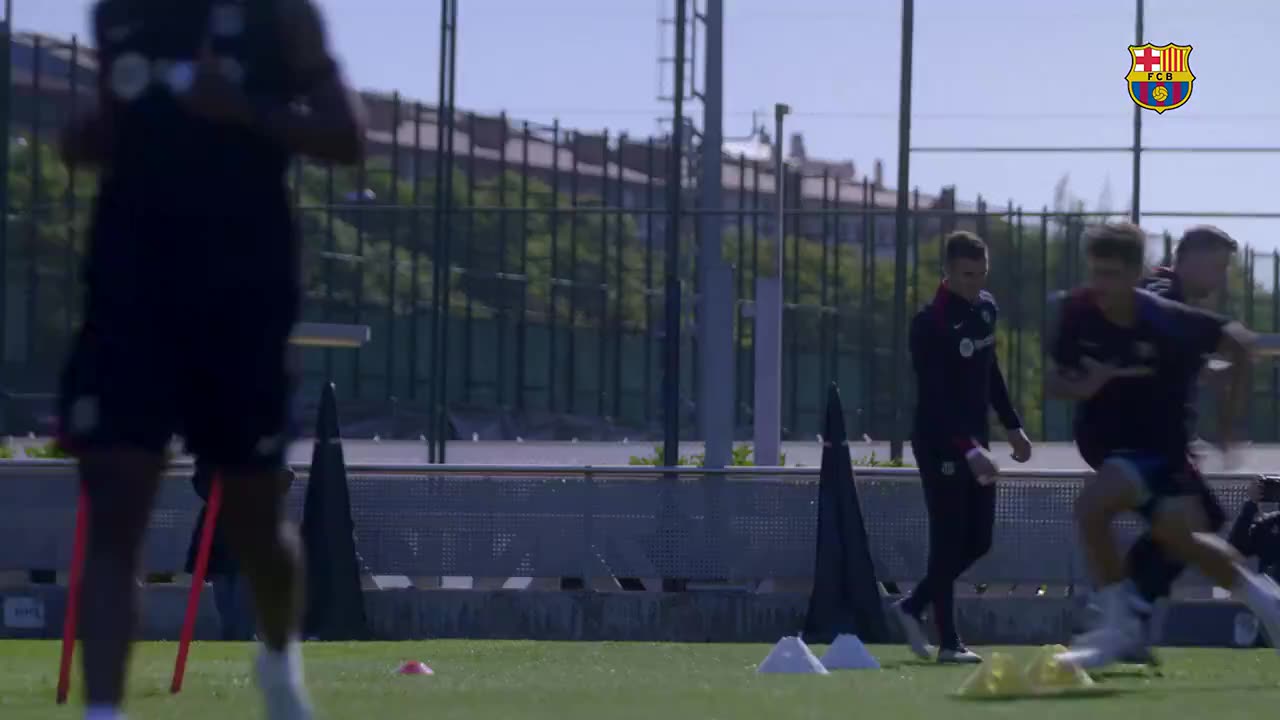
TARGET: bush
(49,451)
(742,456)
(6,453)
(873,461)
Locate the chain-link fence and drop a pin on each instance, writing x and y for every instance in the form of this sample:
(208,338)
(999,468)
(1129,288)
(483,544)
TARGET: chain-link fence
(556,269)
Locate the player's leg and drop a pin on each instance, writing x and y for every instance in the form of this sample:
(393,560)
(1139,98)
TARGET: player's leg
(1153,570)
(238,422)
(270,552)
(1118,487)
(1122,484)
(113,416)
(981,515)
(121,486)
(943,482)
(1181,527)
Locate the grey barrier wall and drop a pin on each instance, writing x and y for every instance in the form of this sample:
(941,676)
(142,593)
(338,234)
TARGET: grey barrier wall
(735,525)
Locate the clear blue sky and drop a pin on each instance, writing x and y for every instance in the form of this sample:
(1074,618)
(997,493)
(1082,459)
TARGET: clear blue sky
(1021,72)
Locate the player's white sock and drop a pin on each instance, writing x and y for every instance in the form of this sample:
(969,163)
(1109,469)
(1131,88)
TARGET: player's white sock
(103,712)
(281,679)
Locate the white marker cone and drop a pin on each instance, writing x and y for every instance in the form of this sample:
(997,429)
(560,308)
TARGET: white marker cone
(848,653)
(791,655)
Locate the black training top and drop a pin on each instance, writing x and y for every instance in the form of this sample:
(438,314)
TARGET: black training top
(1143,414)
(1164,282)
(167,161)
(953,351)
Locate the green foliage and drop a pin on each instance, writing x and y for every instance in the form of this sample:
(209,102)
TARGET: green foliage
(873,461)
(743,455)
(522,250)
(6,452)
(49,451)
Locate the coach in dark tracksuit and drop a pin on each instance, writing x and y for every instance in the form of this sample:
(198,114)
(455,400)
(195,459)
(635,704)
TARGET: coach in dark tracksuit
(953,350)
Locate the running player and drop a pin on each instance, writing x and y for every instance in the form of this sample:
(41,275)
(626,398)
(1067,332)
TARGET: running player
(192,285)
(1199,269)
(1129,358)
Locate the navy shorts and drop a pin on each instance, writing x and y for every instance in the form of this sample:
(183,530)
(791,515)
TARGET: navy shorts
(1160,476)
(185,333)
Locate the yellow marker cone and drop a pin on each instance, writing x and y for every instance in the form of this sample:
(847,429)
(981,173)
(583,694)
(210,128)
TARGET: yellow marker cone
(1048,676)
(998,677)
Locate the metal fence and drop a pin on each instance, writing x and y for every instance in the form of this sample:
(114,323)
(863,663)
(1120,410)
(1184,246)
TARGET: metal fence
(498,522)
(551,309)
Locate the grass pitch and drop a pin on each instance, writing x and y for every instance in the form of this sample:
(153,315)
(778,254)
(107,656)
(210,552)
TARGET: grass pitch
(482,680)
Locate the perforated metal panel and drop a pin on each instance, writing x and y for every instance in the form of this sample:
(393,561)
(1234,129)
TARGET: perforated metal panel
(594,525)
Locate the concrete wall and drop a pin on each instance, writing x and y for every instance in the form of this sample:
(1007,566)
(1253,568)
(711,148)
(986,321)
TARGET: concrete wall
(704,616)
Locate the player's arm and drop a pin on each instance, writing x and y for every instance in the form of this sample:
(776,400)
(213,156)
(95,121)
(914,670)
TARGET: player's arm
(1200,333)
(1065,377)
(328,123)
(1000,401)
(1209,333)
(84,139)
(1236,346)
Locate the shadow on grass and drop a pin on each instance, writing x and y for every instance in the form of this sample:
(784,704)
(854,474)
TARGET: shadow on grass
(1111,692)
(1081,694)
(1214,688)
(1129,673)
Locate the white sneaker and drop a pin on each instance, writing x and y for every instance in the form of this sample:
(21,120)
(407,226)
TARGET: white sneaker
(1119,633)
(911,627)
(279,676)
(1100,649)
(960,656)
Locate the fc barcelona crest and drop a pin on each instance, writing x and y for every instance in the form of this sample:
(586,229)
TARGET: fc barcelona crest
(1160,76)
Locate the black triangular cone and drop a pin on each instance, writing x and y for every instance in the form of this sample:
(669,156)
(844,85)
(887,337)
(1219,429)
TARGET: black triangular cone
(335,602)
(846,594)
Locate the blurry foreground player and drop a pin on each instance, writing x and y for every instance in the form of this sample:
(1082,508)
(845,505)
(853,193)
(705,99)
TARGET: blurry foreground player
(1129,358)
(1199,270)
(192,282)
(231,595)
(953,351)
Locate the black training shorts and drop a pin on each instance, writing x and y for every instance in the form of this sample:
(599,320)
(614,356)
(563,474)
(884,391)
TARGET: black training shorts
(1160,476)
(186,332)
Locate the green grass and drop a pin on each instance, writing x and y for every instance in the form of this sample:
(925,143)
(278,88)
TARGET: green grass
(603,681)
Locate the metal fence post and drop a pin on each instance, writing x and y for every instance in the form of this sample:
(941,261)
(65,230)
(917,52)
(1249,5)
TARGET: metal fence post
(768,330)
(1136,208)
(438,388)
(6,92)
(900,229)
(671,259)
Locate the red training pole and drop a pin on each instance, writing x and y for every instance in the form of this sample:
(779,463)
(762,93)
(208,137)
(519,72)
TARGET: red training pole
(197,580)
(78,549)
